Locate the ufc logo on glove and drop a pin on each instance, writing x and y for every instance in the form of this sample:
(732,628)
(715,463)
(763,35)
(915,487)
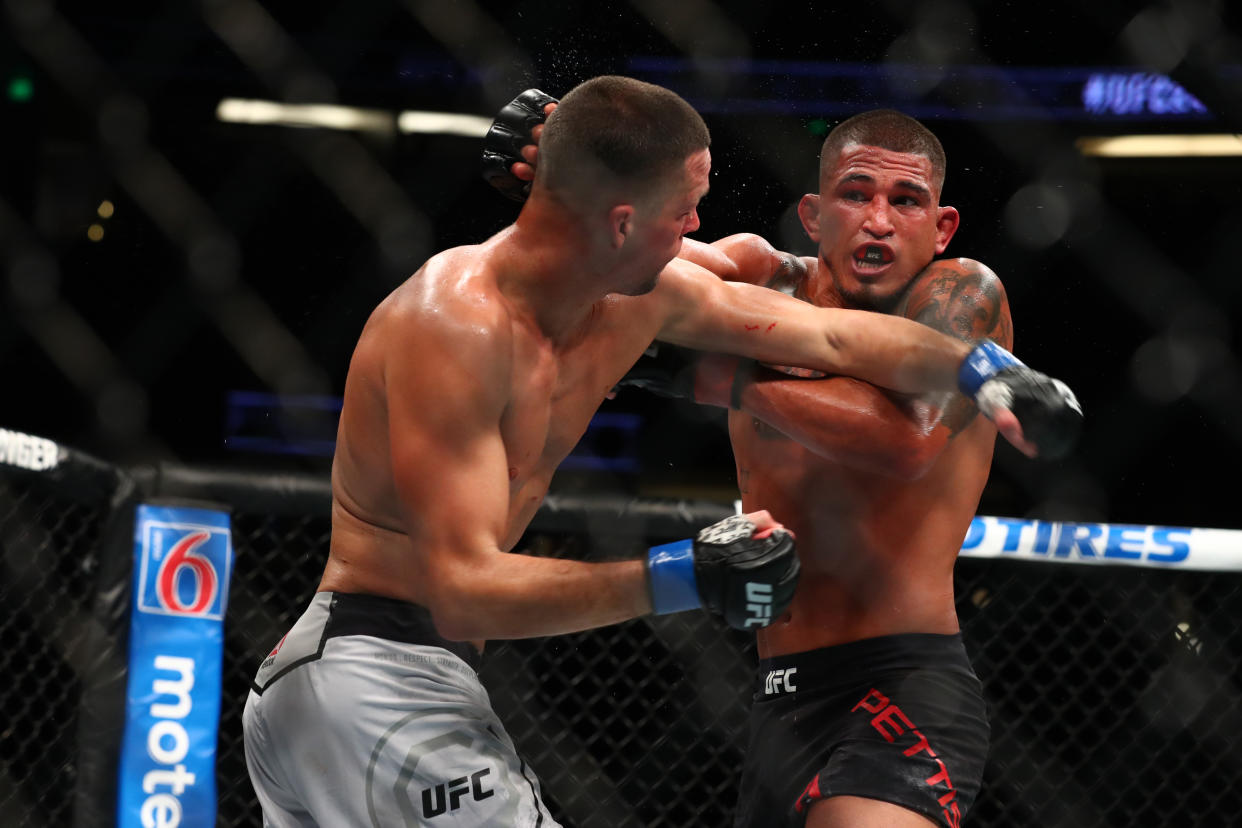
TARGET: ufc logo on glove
(746,578)
(758,604)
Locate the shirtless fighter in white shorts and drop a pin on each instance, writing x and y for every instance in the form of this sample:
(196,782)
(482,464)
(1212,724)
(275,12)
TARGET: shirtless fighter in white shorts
(469,385)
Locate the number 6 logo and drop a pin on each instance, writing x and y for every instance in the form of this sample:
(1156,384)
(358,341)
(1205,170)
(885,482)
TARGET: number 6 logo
(183,556)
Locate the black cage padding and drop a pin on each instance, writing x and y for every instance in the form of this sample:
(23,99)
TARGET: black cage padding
(1114,693)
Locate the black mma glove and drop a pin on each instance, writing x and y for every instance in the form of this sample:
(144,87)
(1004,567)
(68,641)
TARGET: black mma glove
(686,374)
(749,581)
(1047,409)
(502,146)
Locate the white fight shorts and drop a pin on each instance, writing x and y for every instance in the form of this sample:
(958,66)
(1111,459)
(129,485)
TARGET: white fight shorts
(363,716)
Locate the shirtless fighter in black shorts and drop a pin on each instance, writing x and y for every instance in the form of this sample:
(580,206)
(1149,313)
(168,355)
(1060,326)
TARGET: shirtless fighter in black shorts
(867,711)
(469,384)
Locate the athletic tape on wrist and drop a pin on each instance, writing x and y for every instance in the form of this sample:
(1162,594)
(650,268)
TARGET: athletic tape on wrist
(986,361)
(670,573)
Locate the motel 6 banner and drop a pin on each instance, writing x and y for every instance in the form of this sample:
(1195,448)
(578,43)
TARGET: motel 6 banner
(183,557)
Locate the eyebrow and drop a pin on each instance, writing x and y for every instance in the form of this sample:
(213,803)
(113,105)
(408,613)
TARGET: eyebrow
(866,179)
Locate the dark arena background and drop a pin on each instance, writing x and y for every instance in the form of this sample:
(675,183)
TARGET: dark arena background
(187,266)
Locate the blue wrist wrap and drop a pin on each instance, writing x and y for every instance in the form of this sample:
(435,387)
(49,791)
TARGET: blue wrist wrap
(986,361)
(670,572)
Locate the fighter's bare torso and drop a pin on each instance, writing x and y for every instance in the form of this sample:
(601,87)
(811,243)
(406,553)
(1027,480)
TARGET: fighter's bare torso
(554,388)
(878,527)
(475,378)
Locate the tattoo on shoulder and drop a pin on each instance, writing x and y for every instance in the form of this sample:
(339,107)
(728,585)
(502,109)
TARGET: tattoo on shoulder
(965,299)
(962,298)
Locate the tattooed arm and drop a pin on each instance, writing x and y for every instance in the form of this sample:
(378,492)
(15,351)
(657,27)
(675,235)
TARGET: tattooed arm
(861,426)
(965,299)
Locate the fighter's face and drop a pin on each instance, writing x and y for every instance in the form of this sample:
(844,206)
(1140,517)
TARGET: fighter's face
(878,222)
(661,224)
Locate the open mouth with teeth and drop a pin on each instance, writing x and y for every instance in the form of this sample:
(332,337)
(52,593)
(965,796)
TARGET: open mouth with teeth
(872,256)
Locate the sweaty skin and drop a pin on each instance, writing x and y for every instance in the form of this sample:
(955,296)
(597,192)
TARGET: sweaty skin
(878,487)
(475,378)
(880,494)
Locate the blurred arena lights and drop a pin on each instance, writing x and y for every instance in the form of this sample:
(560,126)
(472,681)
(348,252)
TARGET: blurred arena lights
(329,116)
(1161,146)
(332,116)
(446,123)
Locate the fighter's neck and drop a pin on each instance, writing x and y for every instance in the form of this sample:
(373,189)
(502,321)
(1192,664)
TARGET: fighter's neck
(820,287)
(546,278)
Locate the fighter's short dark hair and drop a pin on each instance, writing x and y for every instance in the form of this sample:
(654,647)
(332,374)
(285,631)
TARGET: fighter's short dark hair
(888,129)
(637,131)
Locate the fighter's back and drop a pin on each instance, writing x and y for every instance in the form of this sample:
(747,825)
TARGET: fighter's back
(369,531)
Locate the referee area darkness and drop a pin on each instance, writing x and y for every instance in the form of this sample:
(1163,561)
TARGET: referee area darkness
(201,203)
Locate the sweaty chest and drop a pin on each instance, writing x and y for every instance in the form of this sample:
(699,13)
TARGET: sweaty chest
(774,469)
(556,392)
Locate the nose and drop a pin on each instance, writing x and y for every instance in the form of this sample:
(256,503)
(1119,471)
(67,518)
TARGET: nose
(692,223)
(879,221)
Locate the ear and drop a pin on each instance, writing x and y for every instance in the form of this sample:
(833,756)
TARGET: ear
(620,222)
(808,211)
(947,220)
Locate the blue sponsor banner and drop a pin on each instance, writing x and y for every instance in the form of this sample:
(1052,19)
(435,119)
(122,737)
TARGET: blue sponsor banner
(1178,547)
(183,558)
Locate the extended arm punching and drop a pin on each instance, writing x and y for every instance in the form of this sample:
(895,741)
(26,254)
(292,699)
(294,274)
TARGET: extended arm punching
(1035,412)
(450,471)
(450,468)
(889,351)
(866,427)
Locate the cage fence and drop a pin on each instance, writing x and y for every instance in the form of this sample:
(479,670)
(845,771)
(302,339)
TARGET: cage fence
(1113,692)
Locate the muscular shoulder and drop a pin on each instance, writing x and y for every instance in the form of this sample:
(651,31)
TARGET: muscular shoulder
(454,289)
(963,298)
(450,306)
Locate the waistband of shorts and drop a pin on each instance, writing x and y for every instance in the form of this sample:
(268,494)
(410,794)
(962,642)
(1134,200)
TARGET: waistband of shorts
(353,613)
(839,663)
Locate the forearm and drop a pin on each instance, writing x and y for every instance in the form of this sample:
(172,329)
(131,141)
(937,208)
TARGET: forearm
(766,325)
(892,352)
(848,422)
(743,568)
(508,595)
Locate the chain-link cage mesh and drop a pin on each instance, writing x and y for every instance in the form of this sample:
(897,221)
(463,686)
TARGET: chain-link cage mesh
(49,552)
(158,255)
(278,564)
(1113,692)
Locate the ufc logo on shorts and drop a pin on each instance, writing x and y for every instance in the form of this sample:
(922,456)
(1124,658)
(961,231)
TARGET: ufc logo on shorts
(758,604)
(435,802)
(780,681)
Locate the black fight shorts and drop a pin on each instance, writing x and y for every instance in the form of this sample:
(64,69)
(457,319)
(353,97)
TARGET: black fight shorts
(899,718)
